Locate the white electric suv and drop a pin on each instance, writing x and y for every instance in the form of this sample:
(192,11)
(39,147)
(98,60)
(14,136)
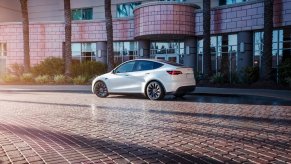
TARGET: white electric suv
(153,78)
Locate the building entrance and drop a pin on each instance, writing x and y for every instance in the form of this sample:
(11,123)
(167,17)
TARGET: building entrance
(170,51)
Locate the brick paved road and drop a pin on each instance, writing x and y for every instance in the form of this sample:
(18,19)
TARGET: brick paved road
(37,127)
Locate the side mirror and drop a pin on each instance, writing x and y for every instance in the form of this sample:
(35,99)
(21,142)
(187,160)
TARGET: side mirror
(113,71)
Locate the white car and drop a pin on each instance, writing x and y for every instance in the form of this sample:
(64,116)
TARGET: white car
(153,78)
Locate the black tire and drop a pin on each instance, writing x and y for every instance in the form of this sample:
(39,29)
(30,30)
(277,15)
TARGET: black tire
(179,95)
(155,91)
(100,89)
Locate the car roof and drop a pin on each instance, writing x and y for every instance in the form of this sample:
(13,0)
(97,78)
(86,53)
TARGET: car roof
(158,60)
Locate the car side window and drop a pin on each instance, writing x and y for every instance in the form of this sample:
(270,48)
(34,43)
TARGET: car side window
(146,65)
(126,67)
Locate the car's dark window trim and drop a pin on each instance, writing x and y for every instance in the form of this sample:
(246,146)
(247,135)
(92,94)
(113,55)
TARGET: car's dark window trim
(152,62)
(132,70)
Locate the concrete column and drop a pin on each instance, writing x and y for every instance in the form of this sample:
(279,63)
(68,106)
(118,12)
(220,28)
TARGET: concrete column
(144,49)
(101,52)
(245,50)
(190,57)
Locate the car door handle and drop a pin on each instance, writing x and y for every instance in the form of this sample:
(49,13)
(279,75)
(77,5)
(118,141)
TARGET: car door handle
(147,73)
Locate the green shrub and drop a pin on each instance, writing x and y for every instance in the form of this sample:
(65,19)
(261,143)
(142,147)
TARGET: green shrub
(27,77)
(88,69)
(16,69)
(60,79)
(235,79)
(50,66)
(42,79)
(288,80)
(251,75)
(10,78)
(80,80)
(285,71)
(217,79)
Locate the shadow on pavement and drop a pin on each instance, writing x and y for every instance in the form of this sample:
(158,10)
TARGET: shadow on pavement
(108,148)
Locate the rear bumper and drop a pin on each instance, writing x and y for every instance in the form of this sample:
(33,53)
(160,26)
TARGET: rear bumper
(183,89)
(186,89)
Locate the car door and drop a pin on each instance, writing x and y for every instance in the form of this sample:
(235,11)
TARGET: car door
(121,80)
(142,70)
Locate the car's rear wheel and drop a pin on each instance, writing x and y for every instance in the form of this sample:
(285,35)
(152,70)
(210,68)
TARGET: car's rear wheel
(101,89)
(155,91)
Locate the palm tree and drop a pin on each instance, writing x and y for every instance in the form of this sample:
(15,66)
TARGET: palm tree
(206,39)
(109,32)
(266,68)
(25,29)
(68,37)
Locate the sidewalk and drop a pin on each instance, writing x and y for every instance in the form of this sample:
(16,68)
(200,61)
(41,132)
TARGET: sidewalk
(281,94)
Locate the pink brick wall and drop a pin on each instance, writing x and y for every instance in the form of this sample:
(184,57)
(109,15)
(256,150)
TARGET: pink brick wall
(46,38)
(244,17)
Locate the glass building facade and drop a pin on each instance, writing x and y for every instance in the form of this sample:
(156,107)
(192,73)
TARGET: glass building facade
(84,51)
(126,9)
(124,51)
(82,14)
(221,47)
(228,2)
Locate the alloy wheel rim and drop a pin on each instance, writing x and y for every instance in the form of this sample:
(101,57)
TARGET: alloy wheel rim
(154,90)
(101,89)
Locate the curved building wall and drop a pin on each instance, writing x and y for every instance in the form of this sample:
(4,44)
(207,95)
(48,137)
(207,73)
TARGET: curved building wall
(152,20)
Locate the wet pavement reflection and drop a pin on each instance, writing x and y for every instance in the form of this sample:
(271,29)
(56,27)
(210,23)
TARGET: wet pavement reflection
(56,127)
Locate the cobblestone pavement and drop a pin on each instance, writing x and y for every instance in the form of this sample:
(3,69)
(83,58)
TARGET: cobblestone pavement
(38,127)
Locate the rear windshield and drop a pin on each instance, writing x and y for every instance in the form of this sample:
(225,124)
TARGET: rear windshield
(173,63)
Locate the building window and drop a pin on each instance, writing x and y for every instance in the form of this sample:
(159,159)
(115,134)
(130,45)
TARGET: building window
(223,52)
(167,48)
(277,48)
(82,14)
(228,2)
(84,51)
(3,49)
(124,51)
(170,51)
(281,48)
(174,0)
(126,9)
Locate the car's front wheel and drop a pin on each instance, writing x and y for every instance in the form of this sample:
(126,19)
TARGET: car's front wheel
(101,89)
(155,91)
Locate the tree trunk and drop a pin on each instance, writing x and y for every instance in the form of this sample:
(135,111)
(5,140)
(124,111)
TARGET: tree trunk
(109,32)
(206,39)
(266,69)
(68,37)
(25,29)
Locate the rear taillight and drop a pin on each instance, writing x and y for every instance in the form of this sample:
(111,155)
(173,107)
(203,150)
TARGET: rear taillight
(174,72)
